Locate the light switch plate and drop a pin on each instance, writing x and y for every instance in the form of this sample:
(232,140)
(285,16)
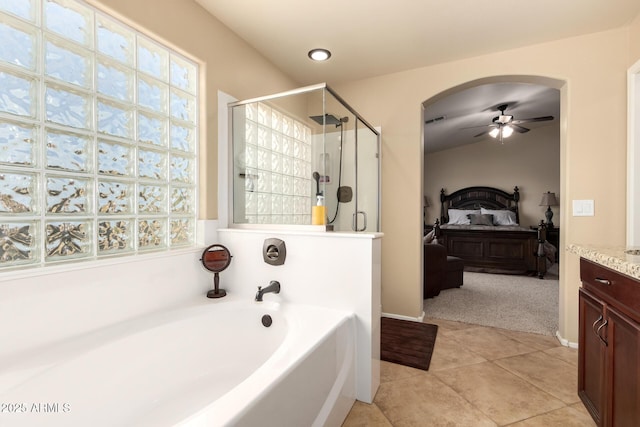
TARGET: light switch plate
(583,208)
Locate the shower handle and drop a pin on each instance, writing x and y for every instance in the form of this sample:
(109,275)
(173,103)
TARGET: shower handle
(354,222)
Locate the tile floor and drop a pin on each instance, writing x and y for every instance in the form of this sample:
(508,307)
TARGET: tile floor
(480,376)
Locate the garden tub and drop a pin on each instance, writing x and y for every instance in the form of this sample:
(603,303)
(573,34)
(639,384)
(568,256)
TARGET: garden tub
(209,363)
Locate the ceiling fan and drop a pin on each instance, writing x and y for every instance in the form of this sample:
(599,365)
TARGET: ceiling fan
(504,125)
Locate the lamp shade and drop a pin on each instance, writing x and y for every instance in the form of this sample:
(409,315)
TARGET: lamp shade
(549,199)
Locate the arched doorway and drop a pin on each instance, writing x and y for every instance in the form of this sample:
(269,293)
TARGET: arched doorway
(466,156)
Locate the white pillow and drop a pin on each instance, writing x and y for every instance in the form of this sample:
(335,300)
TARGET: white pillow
(459,216)
(502,216)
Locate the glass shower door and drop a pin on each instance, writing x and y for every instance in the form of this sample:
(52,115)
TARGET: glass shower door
(365,216)
(292,147)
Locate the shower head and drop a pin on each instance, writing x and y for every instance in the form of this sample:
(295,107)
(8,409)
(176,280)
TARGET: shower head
(329,119)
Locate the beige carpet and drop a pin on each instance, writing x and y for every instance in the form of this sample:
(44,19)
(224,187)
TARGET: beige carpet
(519,303)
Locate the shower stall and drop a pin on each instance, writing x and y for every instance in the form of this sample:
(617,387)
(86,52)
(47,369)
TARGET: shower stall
(291,147)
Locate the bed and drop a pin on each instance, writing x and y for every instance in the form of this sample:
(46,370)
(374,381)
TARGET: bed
(481,225)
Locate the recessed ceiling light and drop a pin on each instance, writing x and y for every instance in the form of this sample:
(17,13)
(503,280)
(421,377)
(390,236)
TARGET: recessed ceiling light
(319,54)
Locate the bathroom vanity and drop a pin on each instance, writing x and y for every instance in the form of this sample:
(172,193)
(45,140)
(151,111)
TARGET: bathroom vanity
(609,336)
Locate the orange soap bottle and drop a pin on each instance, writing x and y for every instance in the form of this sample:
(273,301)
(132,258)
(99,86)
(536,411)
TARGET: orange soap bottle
(319,212)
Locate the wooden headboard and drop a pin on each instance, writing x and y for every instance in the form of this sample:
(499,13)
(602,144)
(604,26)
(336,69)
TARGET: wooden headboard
(478,197)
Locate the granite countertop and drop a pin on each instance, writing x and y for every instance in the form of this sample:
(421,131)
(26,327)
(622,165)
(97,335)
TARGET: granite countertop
(615,258)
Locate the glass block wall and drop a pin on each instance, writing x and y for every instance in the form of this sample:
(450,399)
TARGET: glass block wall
(278,170)
(98,137)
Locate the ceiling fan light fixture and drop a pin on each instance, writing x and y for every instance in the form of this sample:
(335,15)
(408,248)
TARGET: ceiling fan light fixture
(504,119)
(319,54)
(507,131)
(494,132)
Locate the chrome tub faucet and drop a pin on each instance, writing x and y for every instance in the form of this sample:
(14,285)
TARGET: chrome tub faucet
(274,286)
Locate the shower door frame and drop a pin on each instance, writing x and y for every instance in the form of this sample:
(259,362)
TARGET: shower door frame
(298,91)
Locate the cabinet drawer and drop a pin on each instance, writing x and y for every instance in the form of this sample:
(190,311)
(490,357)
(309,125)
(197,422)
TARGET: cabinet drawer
(615,287)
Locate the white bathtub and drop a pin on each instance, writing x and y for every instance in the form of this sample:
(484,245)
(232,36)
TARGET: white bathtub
(210,363)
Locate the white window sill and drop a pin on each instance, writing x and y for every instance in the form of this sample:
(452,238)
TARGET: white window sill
(83,264)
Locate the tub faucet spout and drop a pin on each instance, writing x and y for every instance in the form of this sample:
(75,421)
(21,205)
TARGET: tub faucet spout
(274,286)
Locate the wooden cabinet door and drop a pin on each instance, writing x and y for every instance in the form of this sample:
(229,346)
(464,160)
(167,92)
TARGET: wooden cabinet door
(623,379)
(591,355)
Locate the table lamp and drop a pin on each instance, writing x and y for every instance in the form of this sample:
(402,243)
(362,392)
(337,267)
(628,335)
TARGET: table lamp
(549,199)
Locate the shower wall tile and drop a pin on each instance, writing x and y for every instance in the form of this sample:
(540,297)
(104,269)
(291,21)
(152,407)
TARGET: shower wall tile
(251,156)
(251,112)
(277,161)
(298,152)
(276,184)
(251,204)
(287,146)
(276,204)
(287,126)
(287,165)
(298,133)
(264,159)
(264,182)
(287,184)
(251,132)
(276,219)
(264,204)
(287,204)
(276,121)
(276,142)
(300,187)
(264,137)
(264,115)
(297,168)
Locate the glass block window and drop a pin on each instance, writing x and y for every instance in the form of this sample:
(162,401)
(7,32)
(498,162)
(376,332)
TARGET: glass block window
(278,167)
(98,137)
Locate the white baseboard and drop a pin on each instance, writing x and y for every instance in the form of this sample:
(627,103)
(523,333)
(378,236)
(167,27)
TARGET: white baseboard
(565,342)
(401,317)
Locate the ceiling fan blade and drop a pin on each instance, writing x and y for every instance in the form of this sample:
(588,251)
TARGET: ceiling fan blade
(519,129)
(474,127)
(535,119)
(481,133)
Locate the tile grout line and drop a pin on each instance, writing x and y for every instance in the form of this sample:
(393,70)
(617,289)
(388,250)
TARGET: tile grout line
(534,345)
(467,400)
(534,385)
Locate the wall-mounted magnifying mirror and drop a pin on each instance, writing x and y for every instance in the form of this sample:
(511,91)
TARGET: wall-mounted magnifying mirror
(216,258)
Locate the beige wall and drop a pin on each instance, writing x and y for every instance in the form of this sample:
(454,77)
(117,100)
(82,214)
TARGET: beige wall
(592,156)
(634,37)
(531,161)
(592,152)
(230,65)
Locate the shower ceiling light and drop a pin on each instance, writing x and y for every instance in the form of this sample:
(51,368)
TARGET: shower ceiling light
(319,54)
